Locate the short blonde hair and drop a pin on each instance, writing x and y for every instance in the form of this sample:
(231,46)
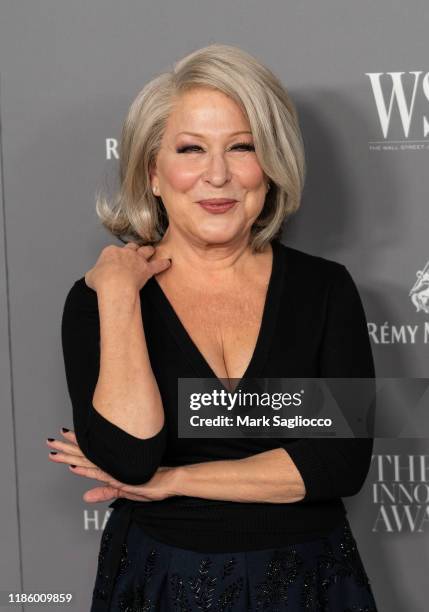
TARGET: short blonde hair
(139,214)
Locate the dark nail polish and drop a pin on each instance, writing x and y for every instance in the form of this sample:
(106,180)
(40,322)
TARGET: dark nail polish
(169,259)
(53,452)
(64,429)
(72,465)
(51,439)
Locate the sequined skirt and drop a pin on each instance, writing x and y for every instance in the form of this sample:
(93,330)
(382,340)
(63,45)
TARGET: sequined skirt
(326,574)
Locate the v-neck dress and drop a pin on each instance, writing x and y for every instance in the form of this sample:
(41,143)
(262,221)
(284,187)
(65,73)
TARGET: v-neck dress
(313,325)
(189,349)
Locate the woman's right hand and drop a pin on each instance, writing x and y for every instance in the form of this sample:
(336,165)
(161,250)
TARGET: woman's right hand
(130,265)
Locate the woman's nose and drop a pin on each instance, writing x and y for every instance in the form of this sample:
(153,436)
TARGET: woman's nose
(217,170)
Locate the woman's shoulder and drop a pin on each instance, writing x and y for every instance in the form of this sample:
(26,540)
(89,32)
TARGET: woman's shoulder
(302,264)
(80,285)
(81,297)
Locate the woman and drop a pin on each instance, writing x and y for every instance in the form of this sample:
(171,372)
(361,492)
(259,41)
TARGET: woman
(212,163)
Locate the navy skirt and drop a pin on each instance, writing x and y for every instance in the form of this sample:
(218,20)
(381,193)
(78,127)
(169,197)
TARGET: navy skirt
(137,573)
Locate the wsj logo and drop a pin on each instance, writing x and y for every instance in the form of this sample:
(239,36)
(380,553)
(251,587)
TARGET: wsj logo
(419,292)
(390,87)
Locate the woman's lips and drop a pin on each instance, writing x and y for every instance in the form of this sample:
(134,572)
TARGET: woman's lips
(217,206)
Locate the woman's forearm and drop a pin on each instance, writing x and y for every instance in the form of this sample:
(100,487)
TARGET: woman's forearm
(270,476)
(126,393)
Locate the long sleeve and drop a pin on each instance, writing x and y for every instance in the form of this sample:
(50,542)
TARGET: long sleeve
(337,467)
(127,458)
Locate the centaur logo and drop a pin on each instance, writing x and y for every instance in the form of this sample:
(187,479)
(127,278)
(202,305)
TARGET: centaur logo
(408,333)
(419,292)
(389,87)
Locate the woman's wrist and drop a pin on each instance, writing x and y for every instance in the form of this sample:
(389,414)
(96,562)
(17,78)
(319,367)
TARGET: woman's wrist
(117,297)
(178,481)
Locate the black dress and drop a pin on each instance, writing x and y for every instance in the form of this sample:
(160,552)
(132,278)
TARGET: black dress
(185,553)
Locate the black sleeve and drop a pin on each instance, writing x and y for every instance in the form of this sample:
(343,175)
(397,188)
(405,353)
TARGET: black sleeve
(337,467)
(127,458)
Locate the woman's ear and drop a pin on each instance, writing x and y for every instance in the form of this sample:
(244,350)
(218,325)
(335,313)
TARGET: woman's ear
(153,179)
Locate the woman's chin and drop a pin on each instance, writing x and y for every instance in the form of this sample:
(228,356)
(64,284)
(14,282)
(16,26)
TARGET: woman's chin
(218,231)
(217,237)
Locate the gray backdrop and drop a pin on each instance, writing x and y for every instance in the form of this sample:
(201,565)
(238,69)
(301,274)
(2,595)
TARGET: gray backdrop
(358,73)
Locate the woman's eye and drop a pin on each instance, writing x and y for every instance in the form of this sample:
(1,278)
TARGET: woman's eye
(187,148)
(245,146)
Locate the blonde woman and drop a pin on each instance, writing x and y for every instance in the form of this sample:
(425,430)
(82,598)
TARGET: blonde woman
(211,165)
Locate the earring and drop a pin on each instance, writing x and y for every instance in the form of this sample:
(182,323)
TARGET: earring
(268,186)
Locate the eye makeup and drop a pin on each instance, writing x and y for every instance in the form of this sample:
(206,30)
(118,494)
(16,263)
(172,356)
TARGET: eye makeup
(239,145)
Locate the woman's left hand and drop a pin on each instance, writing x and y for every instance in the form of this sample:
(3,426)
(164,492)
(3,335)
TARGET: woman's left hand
(159,487)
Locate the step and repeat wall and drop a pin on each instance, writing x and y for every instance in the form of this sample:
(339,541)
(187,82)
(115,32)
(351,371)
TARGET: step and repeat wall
(359,75)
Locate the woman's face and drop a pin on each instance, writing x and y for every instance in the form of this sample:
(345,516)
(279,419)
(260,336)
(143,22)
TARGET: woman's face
(216,160)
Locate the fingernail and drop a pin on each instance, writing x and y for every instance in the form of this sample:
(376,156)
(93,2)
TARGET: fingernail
(169,259)
(64,429)
(51,439)
(72,465)
(53,452)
